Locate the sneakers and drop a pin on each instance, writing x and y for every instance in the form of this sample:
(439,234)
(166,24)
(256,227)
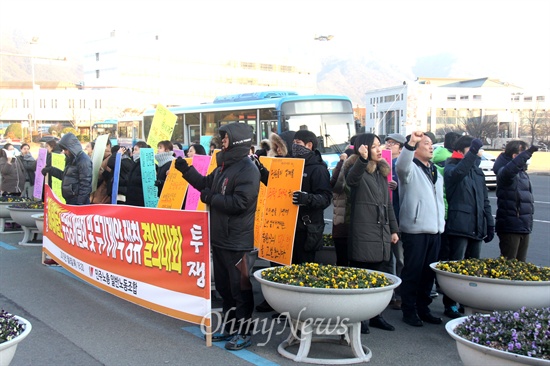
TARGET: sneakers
(452,312)
(238,342)
(221,337)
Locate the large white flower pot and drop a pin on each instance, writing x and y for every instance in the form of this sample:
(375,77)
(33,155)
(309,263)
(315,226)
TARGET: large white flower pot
(341,310)
(475,354)
(489,294)
(7,349)
(39,221)
(24,217)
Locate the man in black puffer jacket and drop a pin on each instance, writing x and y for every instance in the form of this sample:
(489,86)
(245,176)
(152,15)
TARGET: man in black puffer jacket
(315,196)
(231,191)
(76,178)
(515,202)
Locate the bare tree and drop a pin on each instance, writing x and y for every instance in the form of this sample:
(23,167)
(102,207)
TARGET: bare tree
(532,120)
(485,127)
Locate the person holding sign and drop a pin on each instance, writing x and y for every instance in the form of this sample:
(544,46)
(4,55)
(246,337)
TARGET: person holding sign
(315,196)
(76,178)
(373,227)
(164,156)
(133,182)
(231,191)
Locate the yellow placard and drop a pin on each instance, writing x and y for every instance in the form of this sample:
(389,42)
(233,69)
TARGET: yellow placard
(58,161)
(279,214)
(161,127)
(174,189)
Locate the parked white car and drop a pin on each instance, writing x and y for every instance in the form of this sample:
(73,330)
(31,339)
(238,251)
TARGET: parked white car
(487,162)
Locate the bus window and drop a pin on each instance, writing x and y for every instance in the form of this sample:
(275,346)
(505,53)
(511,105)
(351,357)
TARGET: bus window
(177,134)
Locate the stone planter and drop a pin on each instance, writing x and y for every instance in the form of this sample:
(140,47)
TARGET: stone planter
(340,310)
(479,294)
(475,354)
(5,217)
(24,217)
(39,221)
(7,349)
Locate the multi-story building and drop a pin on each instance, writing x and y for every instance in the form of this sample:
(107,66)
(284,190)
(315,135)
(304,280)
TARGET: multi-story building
(441,105)
(127,73)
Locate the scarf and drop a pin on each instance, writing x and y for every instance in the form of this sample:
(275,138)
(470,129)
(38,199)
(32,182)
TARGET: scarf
(299,151)
(164,157)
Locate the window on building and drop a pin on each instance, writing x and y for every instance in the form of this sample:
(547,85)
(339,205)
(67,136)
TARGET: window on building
(26,103)
(97,103)
(476,98)
(82,103)
(287,69)
(515,98)
(14,103)
(389,98)
(267,67)
(71,103)
(54,103)
(527,99)
(541,98)
(464,97)
(451,98)
(248,65)
(97,56)
(42,103)
(97,74)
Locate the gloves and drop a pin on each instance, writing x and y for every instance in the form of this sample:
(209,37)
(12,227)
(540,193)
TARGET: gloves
(206,196)
(475,145)
(300,198)
(181,165)
(490,234)
(46,170)
(533,149)
(257,162)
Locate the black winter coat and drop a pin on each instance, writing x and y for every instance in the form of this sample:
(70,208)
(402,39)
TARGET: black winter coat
(234,186)
(515,202)
(469,211)
(76,179)
(316,182)
(134,186)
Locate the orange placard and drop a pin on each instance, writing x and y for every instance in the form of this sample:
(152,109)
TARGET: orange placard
(156,258)
(260,207)
(279,216)
(174,189)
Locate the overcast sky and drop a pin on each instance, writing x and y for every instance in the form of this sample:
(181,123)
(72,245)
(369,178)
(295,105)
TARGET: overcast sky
(507,40)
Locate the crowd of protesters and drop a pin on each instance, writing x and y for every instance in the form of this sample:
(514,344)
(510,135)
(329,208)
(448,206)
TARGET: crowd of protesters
(395,218)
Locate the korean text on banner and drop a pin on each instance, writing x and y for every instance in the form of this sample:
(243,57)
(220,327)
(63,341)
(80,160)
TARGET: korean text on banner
(155,258)
(161,127)
(97,158)
(175,187)
(58,161)
(280,215)
(148,176)
(38,177)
